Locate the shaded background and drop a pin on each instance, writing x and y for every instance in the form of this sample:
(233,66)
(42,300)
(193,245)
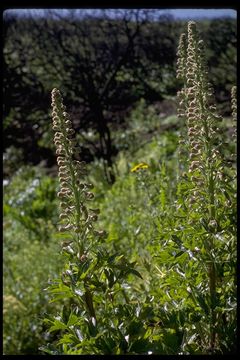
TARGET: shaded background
(104,62)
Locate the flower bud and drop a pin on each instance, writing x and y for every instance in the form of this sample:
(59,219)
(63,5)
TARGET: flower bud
(63,205)
(63,168)
(89,195)
(93,217)
(61,162)
(70,131)
(88,186)
(77,229)
(60,151)
(100,233)
(63,216)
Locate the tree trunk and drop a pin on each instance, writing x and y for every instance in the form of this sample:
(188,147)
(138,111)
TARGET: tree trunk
(105,144)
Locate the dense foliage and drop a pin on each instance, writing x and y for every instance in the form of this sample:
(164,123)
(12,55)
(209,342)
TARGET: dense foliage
(163,278)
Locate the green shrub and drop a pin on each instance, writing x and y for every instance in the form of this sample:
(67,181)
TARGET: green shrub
(25,269)
(30,200)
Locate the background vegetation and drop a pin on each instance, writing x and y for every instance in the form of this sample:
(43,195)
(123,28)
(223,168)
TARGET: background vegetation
(118,78)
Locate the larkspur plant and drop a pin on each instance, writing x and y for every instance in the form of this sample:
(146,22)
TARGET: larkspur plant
(197,251)
(94,284)
(207,196)
(187,301)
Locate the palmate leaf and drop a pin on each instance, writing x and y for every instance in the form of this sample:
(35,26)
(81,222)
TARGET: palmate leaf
(61,291)
(68,339)
(57,325)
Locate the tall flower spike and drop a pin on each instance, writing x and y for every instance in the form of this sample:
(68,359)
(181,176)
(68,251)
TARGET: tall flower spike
(234,108)
(206,171)
(74,193)
(182,100)
(181,75)
(182,57)
(201,115)
(234,118)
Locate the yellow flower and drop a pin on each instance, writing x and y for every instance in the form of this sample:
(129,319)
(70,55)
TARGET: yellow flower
(139,166)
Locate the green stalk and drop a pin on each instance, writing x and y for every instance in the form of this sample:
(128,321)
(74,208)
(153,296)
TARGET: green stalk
(212,213)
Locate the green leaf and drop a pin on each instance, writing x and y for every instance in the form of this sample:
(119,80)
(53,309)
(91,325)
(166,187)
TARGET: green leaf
(112,258)
(66,339)
(66,313)
(179,253)
(135,272)
(141,345)
(73,319)
(202,303)
(135,328)
(57,325)
(61,289)
(177,240)
(60,235)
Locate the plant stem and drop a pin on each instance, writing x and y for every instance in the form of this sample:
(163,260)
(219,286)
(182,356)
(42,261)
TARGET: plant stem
(212,285)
